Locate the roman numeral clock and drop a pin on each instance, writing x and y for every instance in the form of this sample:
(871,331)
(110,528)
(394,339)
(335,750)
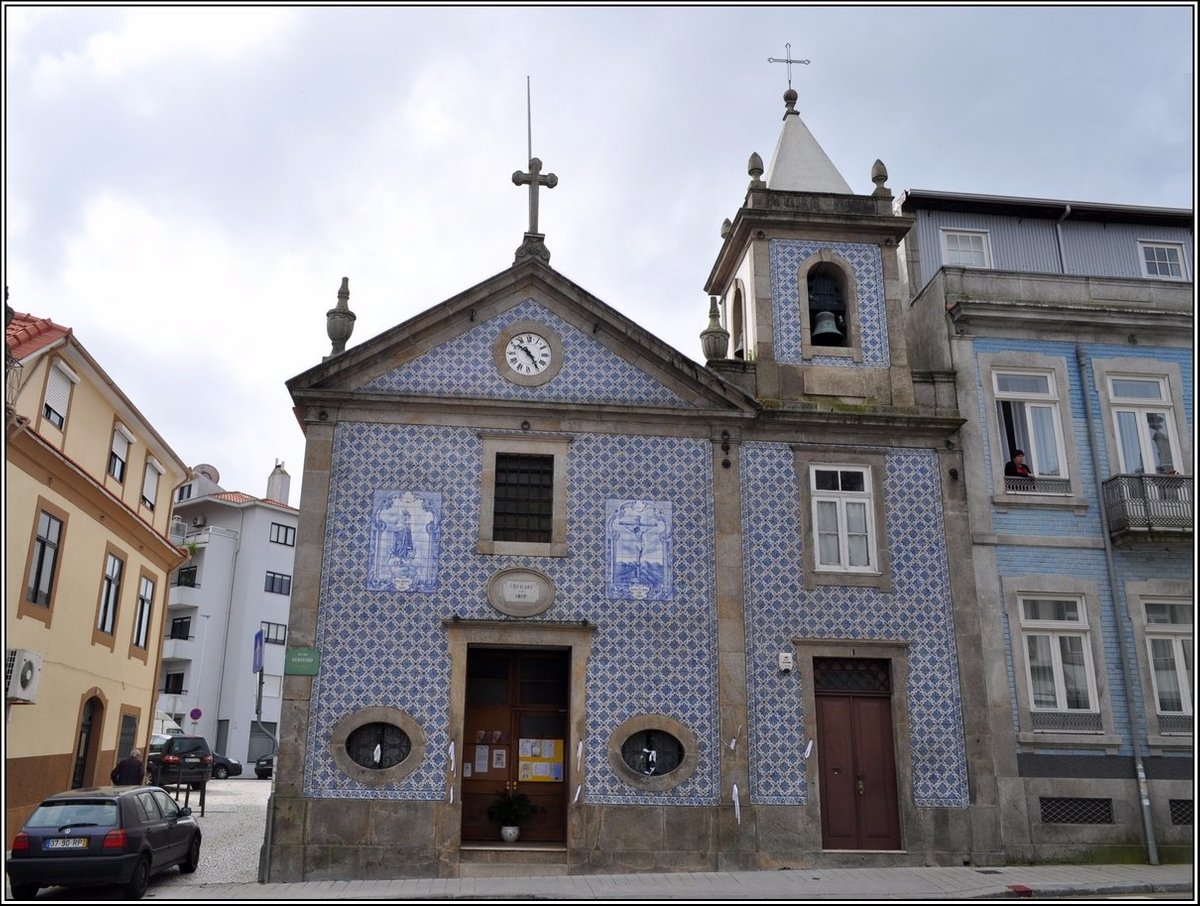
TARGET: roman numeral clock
(528,353)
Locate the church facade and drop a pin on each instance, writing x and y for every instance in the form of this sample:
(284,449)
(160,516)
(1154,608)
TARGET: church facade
(695,617)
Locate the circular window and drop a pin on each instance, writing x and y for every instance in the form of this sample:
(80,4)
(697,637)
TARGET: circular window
(378,746)
(652,752)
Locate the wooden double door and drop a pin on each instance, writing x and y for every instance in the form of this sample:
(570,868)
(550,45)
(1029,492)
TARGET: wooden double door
(859,808)
(515,738)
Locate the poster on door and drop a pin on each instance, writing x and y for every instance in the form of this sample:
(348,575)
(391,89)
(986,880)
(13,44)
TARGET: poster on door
(540,760)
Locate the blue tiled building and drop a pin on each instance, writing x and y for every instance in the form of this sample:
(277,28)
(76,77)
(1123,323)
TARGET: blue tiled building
(1069,329)
(699,617)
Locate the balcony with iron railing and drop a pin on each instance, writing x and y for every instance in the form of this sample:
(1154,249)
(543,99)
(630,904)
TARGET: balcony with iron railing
(1149,508)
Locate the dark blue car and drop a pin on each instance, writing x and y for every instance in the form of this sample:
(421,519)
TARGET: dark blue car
(103,835)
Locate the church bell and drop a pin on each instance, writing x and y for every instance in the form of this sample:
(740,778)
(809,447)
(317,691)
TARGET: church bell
(825,332)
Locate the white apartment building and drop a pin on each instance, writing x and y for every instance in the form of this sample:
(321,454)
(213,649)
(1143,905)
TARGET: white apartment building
(236,583)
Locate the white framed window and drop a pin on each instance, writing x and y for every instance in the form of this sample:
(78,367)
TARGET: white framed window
(110,593)
(966,248)
(184,493)
(118,456)
(843,518)
(1027,414)
(1162,260)
(1142,418)
(150,483)
(1169,645)
(59,382)
(145,604)
(1058,661)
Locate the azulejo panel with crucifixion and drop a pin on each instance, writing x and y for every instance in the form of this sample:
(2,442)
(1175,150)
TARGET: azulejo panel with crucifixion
(637,546)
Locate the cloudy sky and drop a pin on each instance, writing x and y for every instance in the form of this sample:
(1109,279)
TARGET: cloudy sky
(187,187)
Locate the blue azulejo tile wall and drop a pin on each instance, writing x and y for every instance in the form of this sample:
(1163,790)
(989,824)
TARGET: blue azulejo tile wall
(786,257)
(382,641)
(464,367)
(917,611)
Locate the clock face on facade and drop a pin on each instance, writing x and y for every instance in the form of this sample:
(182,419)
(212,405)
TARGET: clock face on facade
(529,353)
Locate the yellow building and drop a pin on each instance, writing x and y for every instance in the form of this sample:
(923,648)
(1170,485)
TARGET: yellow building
(87,559)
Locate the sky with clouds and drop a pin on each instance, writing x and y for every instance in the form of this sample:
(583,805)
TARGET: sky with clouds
(186,187)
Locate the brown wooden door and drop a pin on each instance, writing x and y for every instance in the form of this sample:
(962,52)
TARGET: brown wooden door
(859,808)
(515,737)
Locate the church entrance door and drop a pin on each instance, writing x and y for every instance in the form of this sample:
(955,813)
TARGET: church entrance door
(515,739)
(859,808)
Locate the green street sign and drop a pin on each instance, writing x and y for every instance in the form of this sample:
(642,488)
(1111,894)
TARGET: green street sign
(302,662)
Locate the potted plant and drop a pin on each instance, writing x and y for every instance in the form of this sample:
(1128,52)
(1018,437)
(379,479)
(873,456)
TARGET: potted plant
(509,810)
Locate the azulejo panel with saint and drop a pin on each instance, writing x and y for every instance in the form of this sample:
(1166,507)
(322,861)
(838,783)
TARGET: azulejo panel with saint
(637,543)
(405,527)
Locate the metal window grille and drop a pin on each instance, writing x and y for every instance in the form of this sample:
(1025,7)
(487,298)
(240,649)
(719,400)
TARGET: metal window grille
(1175,724)
(524,498)
(838,674)
(1067,721)
(1181,811)
(1064,810)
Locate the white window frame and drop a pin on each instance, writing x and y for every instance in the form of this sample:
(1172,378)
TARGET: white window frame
(1175,248)
(841,501)
(1179,635)
(1057,630)
(145,605)
(122,443)
(950,257)
(1140,408)
(1032,401)
(153,473)
(60,382)
(110,593)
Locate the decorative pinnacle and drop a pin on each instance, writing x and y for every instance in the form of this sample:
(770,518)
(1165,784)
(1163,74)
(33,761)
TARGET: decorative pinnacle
(339,321)
(755,169)
(879,175)
(714,339)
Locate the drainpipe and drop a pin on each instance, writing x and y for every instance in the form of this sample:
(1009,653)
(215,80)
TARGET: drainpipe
(1062,255)
(1123,620)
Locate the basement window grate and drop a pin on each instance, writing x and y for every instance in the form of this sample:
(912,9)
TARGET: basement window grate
(1063,810)
(1181,811)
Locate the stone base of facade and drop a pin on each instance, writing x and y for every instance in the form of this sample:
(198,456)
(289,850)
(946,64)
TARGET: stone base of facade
(368,839)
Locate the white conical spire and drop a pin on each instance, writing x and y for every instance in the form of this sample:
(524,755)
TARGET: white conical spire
(799,163)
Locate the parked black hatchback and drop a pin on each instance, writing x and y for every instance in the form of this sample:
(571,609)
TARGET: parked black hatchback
(181,759)
(103,835)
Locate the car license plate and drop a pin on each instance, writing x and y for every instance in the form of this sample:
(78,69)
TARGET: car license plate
(194,759)
(67,843)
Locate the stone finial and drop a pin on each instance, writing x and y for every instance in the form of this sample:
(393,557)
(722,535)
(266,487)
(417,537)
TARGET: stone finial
(726,227)
(789,102)
(714,339)
(339,321)
(879,175)
(755,169)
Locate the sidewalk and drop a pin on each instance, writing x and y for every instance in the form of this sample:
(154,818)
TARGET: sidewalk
(1024,881)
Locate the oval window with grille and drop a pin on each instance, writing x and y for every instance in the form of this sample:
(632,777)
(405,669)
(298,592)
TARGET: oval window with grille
(652,752)
(378,746)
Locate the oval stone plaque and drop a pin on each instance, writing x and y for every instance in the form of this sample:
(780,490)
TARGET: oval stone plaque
(520,591)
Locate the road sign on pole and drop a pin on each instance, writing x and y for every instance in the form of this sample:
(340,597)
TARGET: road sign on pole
(258,652)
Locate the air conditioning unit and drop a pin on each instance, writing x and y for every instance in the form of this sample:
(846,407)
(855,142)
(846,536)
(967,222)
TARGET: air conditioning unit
(22,673)
(199,521)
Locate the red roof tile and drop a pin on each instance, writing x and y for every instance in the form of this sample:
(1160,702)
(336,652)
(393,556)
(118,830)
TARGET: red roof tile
(26,334)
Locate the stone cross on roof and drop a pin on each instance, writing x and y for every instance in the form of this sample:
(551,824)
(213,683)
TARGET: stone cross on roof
(534,179)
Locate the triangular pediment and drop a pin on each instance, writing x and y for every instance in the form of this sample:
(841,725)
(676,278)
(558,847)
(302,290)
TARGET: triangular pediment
(453,351)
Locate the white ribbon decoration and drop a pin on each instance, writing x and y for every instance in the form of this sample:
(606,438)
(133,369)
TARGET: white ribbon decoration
(737,805)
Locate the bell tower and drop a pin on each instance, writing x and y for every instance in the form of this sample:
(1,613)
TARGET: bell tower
(807,282)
